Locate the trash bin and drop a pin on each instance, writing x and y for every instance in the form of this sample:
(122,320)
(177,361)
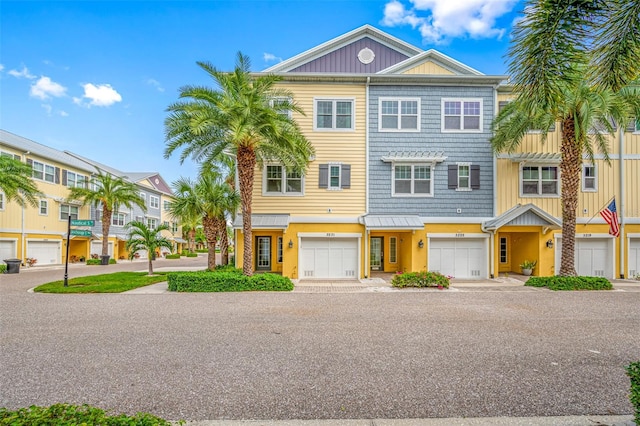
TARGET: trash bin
(104,260)
(13,266)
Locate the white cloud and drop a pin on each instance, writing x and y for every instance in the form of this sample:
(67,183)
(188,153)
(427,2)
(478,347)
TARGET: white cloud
(44,88)
(63,113)
(23,73)
(100,95)
(155,83)
(270,57)
(441,20)
(1,67)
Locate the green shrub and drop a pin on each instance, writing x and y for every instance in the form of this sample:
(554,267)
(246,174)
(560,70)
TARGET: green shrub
(112,261)
(570,283)
(3,268)
(93,262)
(202,250)
(66,414)
(208,281)
(420,279)
(228,268)
(173,256)
(192,254)
(633,371)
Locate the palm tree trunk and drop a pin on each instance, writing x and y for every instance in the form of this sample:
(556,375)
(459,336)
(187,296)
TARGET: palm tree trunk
(150,264)
(209,225)
(192,240)
(106,224)
(570,169)
(246,167)
(224,241)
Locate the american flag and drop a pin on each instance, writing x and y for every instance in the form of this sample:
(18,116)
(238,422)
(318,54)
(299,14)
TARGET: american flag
(610,215)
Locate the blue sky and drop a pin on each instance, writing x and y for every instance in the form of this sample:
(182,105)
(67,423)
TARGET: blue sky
(96,77)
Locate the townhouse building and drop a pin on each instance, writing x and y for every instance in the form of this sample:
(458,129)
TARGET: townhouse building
(405,179)
(41,233)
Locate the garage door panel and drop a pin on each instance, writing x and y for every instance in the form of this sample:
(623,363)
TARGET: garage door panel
(634,257)
(593,257)
(460,258)
(7,250)
(45,252)
(328,258)
(96,248)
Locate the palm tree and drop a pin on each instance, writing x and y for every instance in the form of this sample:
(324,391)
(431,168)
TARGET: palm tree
(142,237)
(241,119)
(550,59)
(16,182)
(109,192)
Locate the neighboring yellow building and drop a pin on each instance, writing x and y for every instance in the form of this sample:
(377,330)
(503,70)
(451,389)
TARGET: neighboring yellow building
(41,232)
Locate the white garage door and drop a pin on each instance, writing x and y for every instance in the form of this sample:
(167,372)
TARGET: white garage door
(634,257)
(7,250)
(96,248)
(329,258)
(459,257)
(594,257)
(45,252)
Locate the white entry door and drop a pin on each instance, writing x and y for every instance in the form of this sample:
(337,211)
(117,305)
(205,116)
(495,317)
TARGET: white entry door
(459,257)
(329,258)
(45,252)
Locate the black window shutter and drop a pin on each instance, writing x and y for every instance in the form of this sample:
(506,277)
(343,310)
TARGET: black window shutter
(64,177)
(453,176)
(346,176)
(57,175)
(323,176)
(475,177)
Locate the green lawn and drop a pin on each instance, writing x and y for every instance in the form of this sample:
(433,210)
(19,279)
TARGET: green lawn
(105,283)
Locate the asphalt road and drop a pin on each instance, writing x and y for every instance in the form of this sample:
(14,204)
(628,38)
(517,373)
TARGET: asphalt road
(416,354)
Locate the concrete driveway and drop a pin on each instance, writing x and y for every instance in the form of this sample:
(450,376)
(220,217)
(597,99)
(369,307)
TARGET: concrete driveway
(468,352)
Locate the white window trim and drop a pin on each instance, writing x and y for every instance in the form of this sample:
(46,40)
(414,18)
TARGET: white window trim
(124,219)
(334,100)
(334,188)
(166,205)
(143,195)
(393,253)
(468,188)
(279,249)
(520,181)
(70,206)
(399,100)
(282,98)
(283,184)
(412,195)
(147,221)
(46,203)
(44,172)
(462,101)
(595,178)
(151,202)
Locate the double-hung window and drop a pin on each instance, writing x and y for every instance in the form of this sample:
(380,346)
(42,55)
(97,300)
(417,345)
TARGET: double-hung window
(280,182)
(154,202)
(461,115)
(166,205)
(279,105)
(43,172)
(152,223)
(399,114)
(67,210)
(117,219)
(279,250)
(412,180)
(174,227)
(334,114)
(540,180)
(589,178)
(44,207)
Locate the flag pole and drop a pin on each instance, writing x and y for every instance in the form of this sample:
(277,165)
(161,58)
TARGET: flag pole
(599,210)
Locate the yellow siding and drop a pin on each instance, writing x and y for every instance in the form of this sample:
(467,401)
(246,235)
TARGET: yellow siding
(347,147)
(428,68)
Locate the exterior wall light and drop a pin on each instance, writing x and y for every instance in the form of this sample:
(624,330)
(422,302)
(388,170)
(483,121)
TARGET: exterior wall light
(421,244)
(290,244)
(549,243)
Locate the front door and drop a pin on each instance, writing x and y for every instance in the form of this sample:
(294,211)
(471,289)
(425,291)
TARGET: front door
(377,254)
(263,255)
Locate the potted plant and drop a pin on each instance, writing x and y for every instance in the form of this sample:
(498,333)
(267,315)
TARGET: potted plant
(527,267)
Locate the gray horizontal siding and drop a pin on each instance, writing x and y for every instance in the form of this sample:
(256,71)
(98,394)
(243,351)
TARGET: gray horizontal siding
(457,147)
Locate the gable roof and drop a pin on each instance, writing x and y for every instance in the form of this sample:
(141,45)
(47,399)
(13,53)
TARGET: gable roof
(42,151)
(520,215)
(341,41)
(431,55)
